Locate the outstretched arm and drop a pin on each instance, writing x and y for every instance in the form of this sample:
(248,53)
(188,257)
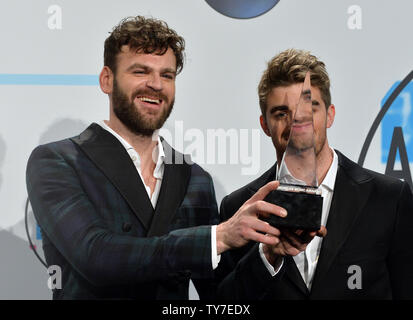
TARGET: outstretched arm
(103,257)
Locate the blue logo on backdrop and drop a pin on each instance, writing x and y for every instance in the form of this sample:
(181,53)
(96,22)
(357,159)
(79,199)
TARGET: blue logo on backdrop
(49,79)
(400,114)
(396,119)
(242,9)
(31,228)
(38,232)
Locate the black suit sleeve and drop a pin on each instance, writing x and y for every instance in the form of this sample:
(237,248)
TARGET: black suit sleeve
(400,259)
(243,275)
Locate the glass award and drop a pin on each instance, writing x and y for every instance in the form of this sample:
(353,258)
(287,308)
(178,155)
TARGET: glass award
(297,173)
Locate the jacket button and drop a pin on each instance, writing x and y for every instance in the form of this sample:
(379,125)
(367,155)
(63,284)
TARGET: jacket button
(126,227)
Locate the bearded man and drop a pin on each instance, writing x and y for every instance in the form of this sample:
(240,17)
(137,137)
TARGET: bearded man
(121,213)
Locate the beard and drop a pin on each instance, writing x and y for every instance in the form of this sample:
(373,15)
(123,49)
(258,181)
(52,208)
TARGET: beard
(126,111)
(300,144)
(303,145)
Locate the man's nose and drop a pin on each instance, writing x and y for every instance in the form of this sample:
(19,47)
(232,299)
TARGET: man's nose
(154,81)
(303,113)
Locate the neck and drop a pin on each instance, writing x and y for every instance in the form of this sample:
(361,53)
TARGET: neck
(324,161)
(143,145)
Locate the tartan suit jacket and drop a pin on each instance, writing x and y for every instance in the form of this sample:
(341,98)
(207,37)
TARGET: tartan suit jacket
(99,225)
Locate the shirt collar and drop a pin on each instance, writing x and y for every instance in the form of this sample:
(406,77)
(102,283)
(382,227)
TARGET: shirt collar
(158,172)
(329,179)
(158,151)
(288,177)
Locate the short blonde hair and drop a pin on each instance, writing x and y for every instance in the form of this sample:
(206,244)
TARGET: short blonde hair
(289,67)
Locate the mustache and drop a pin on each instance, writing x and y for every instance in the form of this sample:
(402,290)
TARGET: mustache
(150,93)
(302,119)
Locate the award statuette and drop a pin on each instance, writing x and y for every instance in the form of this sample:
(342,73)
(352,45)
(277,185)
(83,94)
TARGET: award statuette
(298,190)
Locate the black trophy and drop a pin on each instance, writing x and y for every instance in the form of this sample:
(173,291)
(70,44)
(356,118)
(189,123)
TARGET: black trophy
(298,191)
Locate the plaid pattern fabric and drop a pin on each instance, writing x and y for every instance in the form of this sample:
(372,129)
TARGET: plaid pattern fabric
(90,231)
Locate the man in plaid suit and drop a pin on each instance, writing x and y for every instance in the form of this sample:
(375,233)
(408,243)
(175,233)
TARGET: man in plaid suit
(121,213)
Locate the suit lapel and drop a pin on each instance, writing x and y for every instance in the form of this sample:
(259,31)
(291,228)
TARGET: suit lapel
(343,213)
(173,189)
(266,177)
(293,274)
(108,154)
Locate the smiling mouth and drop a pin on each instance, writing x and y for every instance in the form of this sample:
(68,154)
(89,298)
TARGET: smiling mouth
(150,100)
(302,125)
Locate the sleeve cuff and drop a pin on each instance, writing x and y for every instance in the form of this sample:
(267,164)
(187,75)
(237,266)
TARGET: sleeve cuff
(273,270)
(215,257)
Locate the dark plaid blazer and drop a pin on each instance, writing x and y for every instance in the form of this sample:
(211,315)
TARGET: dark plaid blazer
(99,226)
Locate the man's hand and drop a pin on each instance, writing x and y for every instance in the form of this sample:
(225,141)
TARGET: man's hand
(290,243)
(245,225)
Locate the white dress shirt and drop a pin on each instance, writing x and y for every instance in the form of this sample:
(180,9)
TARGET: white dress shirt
(159,168)
(306,261)
(158,172)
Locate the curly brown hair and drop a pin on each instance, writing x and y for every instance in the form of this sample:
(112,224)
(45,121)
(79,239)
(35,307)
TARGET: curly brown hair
(147,35)
(289,67)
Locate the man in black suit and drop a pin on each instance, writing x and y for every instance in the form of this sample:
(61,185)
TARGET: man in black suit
(123,214)
(369,216)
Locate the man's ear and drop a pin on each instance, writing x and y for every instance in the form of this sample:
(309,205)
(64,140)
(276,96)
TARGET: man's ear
(106,80)
(331,113)
(264,126)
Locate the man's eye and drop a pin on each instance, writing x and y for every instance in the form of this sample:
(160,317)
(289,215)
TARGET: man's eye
(168,76)
(138,72)
(315,105)
(280,115)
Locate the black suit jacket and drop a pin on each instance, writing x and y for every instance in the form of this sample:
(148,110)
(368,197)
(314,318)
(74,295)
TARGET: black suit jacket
(369,225)
(100,228)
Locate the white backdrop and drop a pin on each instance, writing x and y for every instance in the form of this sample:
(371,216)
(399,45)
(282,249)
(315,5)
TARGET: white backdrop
(367,50)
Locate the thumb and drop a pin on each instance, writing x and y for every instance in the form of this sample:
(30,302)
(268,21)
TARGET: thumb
(322,232)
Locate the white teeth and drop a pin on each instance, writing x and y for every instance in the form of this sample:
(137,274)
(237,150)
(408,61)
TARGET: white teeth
(146,99)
